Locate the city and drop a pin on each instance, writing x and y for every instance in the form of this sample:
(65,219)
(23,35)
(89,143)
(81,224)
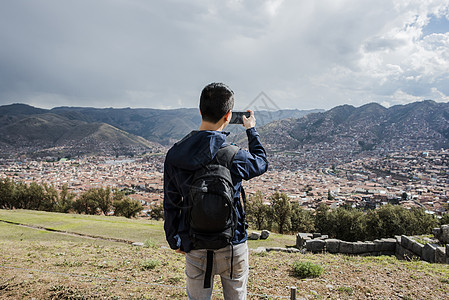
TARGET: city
(411,179)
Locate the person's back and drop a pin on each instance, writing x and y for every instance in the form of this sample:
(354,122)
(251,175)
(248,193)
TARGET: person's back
(183,160)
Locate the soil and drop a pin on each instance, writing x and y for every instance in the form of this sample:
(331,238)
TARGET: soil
(108,270)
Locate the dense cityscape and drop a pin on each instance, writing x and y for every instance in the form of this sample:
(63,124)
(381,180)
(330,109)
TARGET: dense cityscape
(411,179)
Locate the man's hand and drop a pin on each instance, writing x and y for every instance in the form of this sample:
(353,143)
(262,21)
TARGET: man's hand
(179,251)
(249,122)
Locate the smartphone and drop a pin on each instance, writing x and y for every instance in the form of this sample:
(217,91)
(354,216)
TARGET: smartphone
(237,117)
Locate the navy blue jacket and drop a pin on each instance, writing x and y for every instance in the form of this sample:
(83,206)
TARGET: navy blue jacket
(195,150)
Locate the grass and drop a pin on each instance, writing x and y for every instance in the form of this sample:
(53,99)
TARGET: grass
(137,230)
(104,226)
(150,264)
(49,265)
(307,269)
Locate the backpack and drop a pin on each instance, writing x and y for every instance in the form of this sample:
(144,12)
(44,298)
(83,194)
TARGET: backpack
(211,214)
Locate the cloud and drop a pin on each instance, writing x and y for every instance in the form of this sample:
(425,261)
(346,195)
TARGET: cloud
(303,54)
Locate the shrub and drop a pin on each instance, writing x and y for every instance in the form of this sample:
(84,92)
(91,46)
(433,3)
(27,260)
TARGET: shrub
(126,207)
(149,264)
(306,269)
(149,243)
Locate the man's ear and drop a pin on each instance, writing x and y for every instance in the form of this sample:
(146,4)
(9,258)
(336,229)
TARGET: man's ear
(227,116)
(199,108)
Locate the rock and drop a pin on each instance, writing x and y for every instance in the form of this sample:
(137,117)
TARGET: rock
(259,250)
(332,245)
(417,248)
(444,234)
(440,255)
(323,237)
(447,253)
(138,244)
(346,247)
(378,245)
(301,239)
(254,236)
(388,245)
(406,242)
(436,232)
(402,253)
(264,234)
(316,235)
(315,245)
(429,253)
(370,247)
(289,250)
(360,247)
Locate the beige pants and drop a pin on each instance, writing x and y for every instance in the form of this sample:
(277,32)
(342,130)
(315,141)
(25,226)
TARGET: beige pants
(234,288)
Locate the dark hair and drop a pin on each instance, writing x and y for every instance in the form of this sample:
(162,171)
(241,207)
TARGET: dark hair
(215,101)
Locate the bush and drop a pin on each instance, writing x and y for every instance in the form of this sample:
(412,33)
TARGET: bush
(127,207)
(149,264)
(307,269)
(149,243)
(157,212)
(282,211)
(258,214)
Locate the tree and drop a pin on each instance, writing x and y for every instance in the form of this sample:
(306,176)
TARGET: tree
(348,224)
(28,197)
(103,198)
(281,211)
(394,220)
(65,200)
(421,222)
(373,225)
(323,222)
(126,207)
(87,203)
(444,219)
(157,212)
(7,187)
(257,212)
(50,198)
(301,219)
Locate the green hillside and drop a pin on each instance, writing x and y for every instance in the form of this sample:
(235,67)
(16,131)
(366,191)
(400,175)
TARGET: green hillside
(42,264)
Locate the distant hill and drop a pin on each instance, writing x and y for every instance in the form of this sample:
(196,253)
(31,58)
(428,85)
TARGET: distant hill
(52,134)
(162,126)
(337,135)
(78,130)
(345,132)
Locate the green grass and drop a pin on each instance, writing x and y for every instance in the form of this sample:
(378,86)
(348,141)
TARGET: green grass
(274,240)
(104,226)
(307,269)
(149,232)
(38,263)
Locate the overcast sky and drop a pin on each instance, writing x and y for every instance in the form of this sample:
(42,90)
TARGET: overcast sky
(302,53)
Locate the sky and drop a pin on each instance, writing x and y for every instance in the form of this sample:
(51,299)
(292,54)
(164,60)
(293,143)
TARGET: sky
(302,54)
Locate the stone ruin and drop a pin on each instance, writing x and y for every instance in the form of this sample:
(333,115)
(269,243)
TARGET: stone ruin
(263,235)
(403,247)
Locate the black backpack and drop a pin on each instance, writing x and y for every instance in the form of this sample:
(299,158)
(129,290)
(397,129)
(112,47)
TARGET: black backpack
(211,215)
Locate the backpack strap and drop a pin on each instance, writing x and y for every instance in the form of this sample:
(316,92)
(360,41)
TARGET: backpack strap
(209,264)
(225,156)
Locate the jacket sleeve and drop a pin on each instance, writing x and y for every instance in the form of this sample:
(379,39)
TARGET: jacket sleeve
(251,163)
(172,208)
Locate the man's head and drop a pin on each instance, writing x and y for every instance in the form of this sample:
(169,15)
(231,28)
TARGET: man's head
(216,100)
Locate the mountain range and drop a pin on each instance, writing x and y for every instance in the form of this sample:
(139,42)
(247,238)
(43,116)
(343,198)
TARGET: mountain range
(346,132)
(85,130)
(334,135)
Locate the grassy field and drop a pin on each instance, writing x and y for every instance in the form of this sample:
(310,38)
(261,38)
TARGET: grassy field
(40,264)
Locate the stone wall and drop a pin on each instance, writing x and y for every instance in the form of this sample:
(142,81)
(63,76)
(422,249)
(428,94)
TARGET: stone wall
(403,247)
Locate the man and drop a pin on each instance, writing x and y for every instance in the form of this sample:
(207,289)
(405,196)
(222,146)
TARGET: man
(193,152)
